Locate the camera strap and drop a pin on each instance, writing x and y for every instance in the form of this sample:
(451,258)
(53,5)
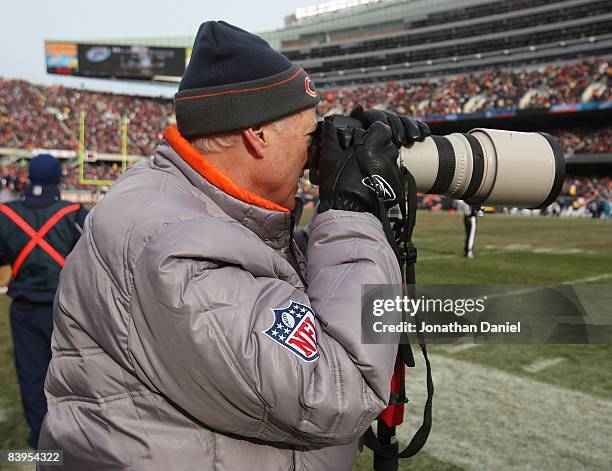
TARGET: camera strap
(385,445)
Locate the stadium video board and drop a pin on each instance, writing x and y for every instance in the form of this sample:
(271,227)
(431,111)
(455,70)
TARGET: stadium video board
(135,62)
(61,57)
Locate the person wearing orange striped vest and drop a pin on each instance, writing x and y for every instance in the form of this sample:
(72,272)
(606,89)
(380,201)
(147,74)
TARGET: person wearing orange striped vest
(37,232)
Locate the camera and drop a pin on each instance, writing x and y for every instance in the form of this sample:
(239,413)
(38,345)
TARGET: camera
(487,167)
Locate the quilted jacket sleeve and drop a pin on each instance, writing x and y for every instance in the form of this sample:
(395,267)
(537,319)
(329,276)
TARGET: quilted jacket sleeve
(243,351)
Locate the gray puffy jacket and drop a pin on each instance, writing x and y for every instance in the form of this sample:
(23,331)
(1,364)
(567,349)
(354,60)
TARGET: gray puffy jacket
(184,338)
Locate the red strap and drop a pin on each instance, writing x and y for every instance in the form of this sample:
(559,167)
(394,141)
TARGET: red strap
(37,237)
(393,415)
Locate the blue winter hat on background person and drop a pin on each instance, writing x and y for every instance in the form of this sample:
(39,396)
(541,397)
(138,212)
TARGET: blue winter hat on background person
(44,169)
(236,80)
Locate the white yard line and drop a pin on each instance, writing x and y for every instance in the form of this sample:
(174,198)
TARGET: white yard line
(435,257)
(478,254)
(559,249)
(603,276)
(541,364)
(461,347)
(487,419)
(538,286)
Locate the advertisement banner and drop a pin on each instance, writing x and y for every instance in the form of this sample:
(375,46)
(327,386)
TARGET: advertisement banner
(136,62)
(61,57)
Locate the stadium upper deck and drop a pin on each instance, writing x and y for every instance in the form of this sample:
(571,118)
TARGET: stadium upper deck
(416,38)
(378,41)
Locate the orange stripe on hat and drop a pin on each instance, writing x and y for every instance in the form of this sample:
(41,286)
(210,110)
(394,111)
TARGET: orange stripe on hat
(196,161)
(243,90)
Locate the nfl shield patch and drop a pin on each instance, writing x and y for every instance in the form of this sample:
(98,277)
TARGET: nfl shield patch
(294,329)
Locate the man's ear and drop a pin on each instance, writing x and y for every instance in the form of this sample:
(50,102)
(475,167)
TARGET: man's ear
(256,140)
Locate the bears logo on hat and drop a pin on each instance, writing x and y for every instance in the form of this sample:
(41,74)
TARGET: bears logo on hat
(310,88)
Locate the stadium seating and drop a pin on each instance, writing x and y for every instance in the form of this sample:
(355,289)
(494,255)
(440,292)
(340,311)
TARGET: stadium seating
(16,175)
(492,89)
(34,116)
(585,140)
(580,196)
(585,196)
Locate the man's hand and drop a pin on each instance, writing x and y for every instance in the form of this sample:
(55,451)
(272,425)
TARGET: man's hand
(404,130)
(356,174)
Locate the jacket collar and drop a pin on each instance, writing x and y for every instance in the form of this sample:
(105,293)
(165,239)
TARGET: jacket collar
(40,196)
(270,222)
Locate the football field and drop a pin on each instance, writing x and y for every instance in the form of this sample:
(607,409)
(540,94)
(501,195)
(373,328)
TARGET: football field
(527,407)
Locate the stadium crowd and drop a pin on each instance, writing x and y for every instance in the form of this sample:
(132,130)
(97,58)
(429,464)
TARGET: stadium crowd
(581,196)
(585,139)
(35,116)
(584,196)
(15,176)
(491,89)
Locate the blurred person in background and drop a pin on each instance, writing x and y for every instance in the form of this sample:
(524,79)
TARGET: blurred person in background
(469,222)
(7,188)
(37,232)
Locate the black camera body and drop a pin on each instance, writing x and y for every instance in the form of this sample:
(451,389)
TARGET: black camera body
(345,127)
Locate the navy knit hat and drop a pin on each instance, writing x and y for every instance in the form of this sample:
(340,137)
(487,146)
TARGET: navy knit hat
(44,169)
(235,80)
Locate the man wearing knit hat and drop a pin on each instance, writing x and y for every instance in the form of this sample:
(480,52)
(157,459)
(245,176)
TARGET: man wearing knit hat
(37,232)
(191,330)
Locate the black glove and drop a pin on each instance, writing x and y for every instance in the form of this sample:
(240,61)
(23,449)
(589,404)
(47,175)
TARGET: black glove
(358,169)
(404,130)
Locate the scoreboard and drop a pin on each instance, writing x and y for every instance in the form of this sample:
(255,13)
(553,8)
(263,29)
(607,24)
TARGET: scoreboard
(115,61)
(61,57)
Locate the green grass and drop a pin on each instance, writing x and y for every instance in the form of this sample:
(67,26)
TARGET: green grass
(13,428)
(512,249)
(585,368)
(508,250)
(517,250)
(573,249)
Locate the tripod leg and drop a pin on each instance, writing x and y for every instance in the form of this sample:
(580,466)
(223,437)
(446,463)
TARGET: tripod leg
(386,437)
